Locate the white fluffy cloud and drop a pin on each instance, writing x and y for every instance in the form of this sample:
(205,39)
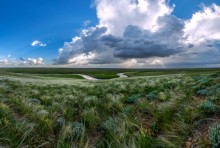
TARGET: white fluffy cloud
(145,33)
(4,61)
(204,26)
(22,61)
(117,15)
(38,43)
(33,61)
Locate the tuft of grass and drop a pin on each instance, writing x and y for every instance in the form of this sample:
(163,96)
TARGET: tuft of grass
(214,136)
(133,98)
(90,117)
(152,95)
(202,92)
(144,140)
(208,107)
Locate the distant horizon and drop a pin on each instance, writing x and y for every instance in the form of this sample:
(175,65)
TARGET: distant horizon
(59,67)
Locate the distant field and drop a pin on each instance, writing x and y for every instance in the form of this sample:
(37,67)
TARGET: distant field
(96,73)
(104,73)
(158,72)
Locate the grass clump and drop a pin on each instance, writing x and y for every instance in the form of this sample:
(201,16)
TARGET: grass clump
(208,107)
(144,140)
(214,136)
(73,134)
(152,95)
(90,117)
(202,92)
(133,98)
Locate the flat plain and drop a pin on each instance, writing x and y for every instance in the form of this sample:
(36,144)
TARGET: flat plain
(48,107)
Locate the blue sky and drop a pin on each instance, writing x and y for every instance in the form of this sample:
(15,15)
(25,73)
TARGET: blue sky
(50,21)
(54,22)
(185,8)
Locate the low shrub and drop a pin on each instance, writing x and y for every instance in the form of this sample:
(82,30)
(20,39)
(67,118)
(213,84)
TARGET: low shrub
(60,122)
(214,136)
(152,95)
(201,92)
(208,107)
(162,96)
(133,98)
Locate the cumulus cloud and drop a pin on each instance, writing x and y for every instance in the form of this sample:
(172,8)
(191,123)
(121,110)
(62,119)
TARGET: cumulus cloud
(203,27)
(33,61)
(38,44)
(117,15)
(139,43)
(144,33)
(21,61)
(4,61)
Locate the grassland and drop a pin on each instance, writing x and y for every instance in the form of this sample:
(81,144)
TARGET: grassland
(178,110)
(103,73)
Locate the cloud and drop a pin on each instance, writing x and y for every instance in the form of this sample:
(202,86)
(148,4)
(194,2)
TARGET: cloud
(117,15)
(3,61)
(22,61)
(86,23)
(38,44)
(9,56)
(33,61)
(139,43)
(204,25)
(145,33)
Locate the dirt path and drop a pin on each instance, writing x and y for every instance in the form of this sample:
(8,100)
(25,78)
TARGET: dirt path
(121,75)
(89,77)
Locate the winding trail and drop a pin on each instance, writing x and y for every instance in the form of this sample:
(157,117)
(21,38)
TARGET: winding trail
(89,77)
(121,75)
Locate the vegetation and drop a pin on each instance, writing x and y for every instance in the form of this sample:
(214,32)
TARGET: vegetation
(179,110)
(214,136)
(101,73)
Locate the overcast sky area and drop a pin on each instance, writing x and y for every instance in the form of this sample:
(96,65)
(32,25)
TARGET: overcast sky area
(110,33)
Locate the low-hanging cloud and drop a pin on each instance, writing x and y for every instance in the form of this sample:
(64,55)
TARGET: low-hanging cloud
(22,61)
(3,61)
(143,30)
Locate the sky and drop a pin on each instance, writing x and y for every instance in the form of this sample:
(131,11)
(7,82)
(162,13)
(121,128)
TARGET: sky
(110,33)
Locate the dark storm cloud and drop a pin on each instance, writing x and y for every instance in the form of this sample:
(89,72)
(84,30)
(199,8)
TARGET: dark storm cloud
(138,43)
(135,42)
(91,41)
(22,59)
(88,41)
(148,49)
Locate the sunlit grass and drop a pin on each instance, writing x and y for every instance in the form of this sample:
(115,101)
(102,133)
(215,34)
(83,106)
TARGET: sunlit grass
(132,112)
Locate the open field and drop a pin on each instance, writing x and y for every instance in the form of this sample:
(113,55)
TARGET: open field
(151,108)
(104,73)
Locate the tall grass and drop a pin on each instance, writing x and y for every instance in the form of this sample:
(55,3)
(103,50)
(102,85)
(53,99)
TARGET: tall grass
(135,112)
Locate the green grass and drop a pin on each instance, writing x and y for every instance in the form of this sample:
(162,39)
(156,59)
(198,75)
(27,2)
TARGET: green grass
(158,72)
(65,72)
(161,111)
(73,76)
(102,73)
